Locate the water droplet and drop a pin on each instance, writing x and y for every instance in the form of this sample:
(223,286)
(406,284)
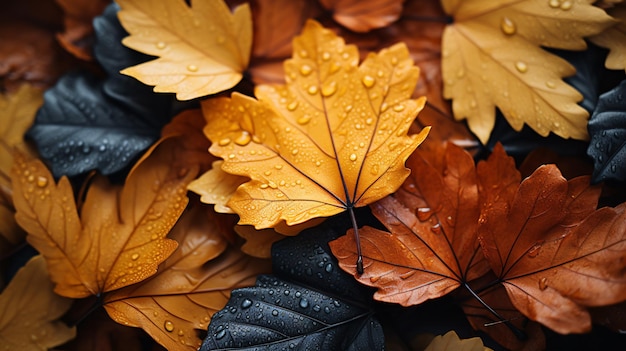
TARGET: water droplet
(328,268)
(398,108)
(353,157)
(102,148)
(31,178)
(305,70)
(192,68)
(317,308)
(246,303)
(566,5)
(304,119)
(304,303)
(325,56)
(543,283)
(160,45)
(508,27)
(554,3)
(368,81)
(224,141)
(243,139)
(220,334)
(423,213)
(327,309)
(135,256)
(521,66)
(274,313)
(42,181)
(294,152)
(436,229)
(534,251)
(303,53)
(169,326)
(407,275)
(312,89)
(292,106)
(329,89)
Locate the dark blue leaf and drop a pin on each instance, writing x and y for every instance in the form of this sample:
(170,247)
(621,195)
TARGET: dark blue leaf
(308,304)
(607,129)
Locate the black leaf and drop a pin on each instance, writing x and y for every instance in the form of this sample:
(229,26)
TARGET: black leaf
(78,129)
(309,304)
(607,129)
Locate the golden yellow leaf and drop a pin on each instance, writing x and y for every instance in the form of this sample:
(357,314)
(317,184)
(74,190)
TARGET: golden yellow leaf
(17,112)
(30,311)
(450,341)
(334,137)
(492,57)
(614,38)
(201,49)
(191,285)
(217,187)
(119,238)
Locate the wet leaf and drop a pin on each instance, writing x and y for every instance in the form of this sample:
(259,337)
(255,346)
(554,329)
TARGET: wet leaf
(119,237)
(450,341)
(17,112)
(433,219)
(190,286)
(77,37)
(203,48)
(524,81)
(363,16)
(79,129)
(307,306)
(28,300)
(216,187)
(333,138)
(559,254)
(607,128)
(614,38)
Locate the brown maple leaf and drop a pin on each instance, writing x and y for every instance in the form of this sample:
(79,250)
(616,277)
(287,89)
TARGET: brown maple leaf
(492,57)
(30,311)
(363,16)
(560,254)
(119,237)
(191,285)
(77,37)
(433,218)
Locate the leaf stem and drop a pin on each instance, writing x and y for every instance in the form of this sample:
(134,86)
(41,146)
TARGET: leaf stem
(357,239)
(515,330)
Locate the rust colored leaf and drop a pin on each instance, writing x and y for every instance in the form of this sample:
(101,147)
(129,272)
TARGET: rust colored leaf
(77,37)
(201,50)
(119,237)
(363,16)
(29,54)
(433,219)
(559,254)
(17,112)
(493,57)
(334,137)
(191,285)
(29,300)
(614,38)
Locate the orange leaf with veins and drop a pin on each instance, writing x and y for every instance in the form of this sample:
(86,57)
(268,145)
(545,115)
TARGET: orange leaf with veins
(334,137)
(118,238)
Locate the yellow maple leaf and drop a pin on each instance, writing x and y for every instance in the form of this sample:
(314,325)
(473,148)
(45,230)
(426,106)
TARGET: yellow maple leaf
(30,311)
(119,238)
(201,49)
(17,112)
(614,38)
(333,138)
(492,57)
(450,341)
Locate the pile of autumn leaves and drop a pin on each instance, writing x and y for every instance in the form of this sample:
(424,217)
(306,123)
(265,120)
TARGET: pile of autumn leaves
(338,135)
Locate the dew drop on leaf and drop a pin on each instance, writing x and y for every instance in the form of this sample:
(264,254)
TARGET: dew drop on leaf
(169,326)
(160,45)
(436,229)
(192,68)
(508,27)
(243,139)
(534,251)
(42,182)
(554,3)
(329,89)
(246,303)
(423,213)
(305,70)
(543,283)
(353,157)
(368,81)
(521,66)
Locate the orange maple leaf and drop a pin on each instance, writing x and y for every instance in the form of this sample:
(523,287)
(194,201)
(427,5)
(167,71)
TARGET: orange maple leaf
(333,138)
(119,237)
